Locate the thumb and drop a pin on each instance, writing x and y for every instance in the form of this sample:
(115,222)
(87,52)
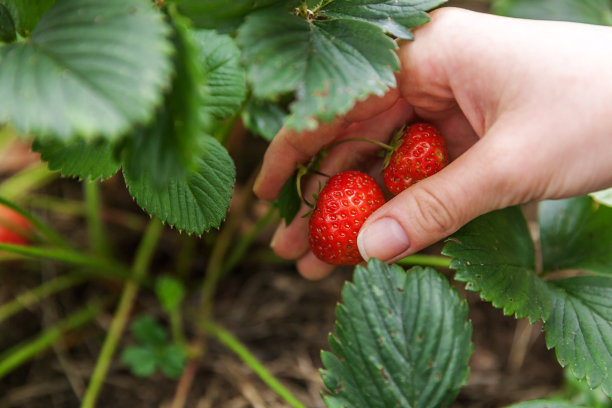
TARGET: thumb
(432,209)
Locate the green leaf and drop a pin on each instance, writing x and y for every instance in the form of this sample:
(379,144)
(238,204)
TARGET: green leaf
(147,331)
(7,25)
(402,339)
(582,11)
(576,233)
(494,254)
(141,360)
(170,292)
(603,197)
(91,68)
(26,13)
(194,202)
(225,87)
(171,360)
(168,147)
(222,15)
(395,17)
(289,201)
(86,160)
(263,118)
(580,328)
(545,404)
(329,64)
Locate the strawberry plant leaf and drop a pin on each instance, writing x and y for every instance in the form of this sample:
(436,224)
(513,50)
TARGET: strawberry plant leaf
(85,160)
(26,13)
(395,17)
(168,147)
(329,64)
(171,360)
(289,201)
(147,331)
(494,255)
(582,11)
(225,85)
(402,339)
(222,15)
(141,360)
(7,25)
(603,197)
(194,202)
(576,233)
(545,404)
(263,118)
(170,292)
(91,68)
(580,328)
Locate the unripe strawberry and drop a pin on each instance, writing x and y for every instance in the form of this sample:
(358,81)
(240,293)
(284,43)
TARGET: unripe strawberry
(344,203)
(418,152)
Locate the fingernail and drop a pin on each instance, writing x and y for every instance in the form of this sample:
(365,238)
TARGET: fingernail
(385,239)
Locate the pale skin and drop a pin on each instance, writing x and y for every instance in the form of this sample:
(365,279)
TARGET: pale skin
(526,110)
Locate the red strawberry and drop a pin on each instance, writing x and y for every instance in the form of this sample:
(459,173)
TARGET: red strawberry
(343,205)
(418,152)
(14,227)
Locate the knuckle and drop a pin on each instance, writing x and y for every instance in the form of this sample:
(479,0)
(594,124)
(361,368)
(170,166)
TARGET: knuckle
(433,213)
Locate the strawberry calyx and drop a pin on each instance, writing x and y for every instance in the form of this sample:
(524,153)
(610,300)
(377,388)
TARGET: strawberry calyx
(396,142)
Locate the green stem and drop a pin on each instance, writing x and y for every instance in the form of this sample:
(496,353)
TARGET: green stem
(249,359)
(19,354)
(33,296)
(30,178)
(176,327)
(108,267)
(140,268)
(97,236)
(427,260)
(360,139)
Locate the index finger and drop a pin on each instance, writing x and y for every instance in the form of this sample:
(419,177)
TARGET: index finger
(289,147)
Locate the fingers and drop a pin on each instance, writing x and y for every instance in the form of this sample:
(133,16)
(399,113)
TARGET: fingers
(436,207)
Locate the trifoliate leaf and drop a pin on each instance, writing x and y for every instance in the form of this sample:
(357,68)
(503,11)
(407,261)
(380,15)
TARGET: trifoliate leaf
(580,328)
(226,83)
(603,197)
(222,15)
(141,360)
(147,331)
(402,340)
(87,160)
(263,118)
(545,404)
(91,68)
(168,147)
(329,64)
(494,255)
(582,11)
(26,13)
(194,202)
(171,360)
(395,17)
(576,233)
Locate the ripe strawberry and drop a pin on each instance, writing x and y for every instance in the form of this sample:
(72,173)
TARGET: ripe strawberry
(345,202)
(418,152)
(14,228)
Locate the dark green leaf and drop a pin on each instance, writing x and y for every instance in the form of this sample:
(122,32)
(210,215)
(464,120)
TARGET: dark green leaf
(402,340)
(576,233)
(91,68)
(141,360)
(170,292)
(7,25)
(171,360)
(396,17)
(263,118)
(494,254)
(289,201)
(582,11)
(148,331)
(87,160)
(26,13)
(168,147)
(329,64)
(222,15)
(225,85)
(580,328)
(194,202)
(545,404)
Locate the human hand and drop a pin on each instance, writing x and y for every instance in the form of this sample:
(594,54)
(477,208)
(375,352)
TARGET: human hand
(524,108)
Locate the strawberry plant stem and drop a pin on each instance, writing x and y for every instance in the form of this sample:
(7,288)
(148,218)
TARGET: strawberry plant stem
(30,178)
(140,268)
(249,359)
(97,236)
(19,354)
(360,139)
(33,296)
(426,260)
